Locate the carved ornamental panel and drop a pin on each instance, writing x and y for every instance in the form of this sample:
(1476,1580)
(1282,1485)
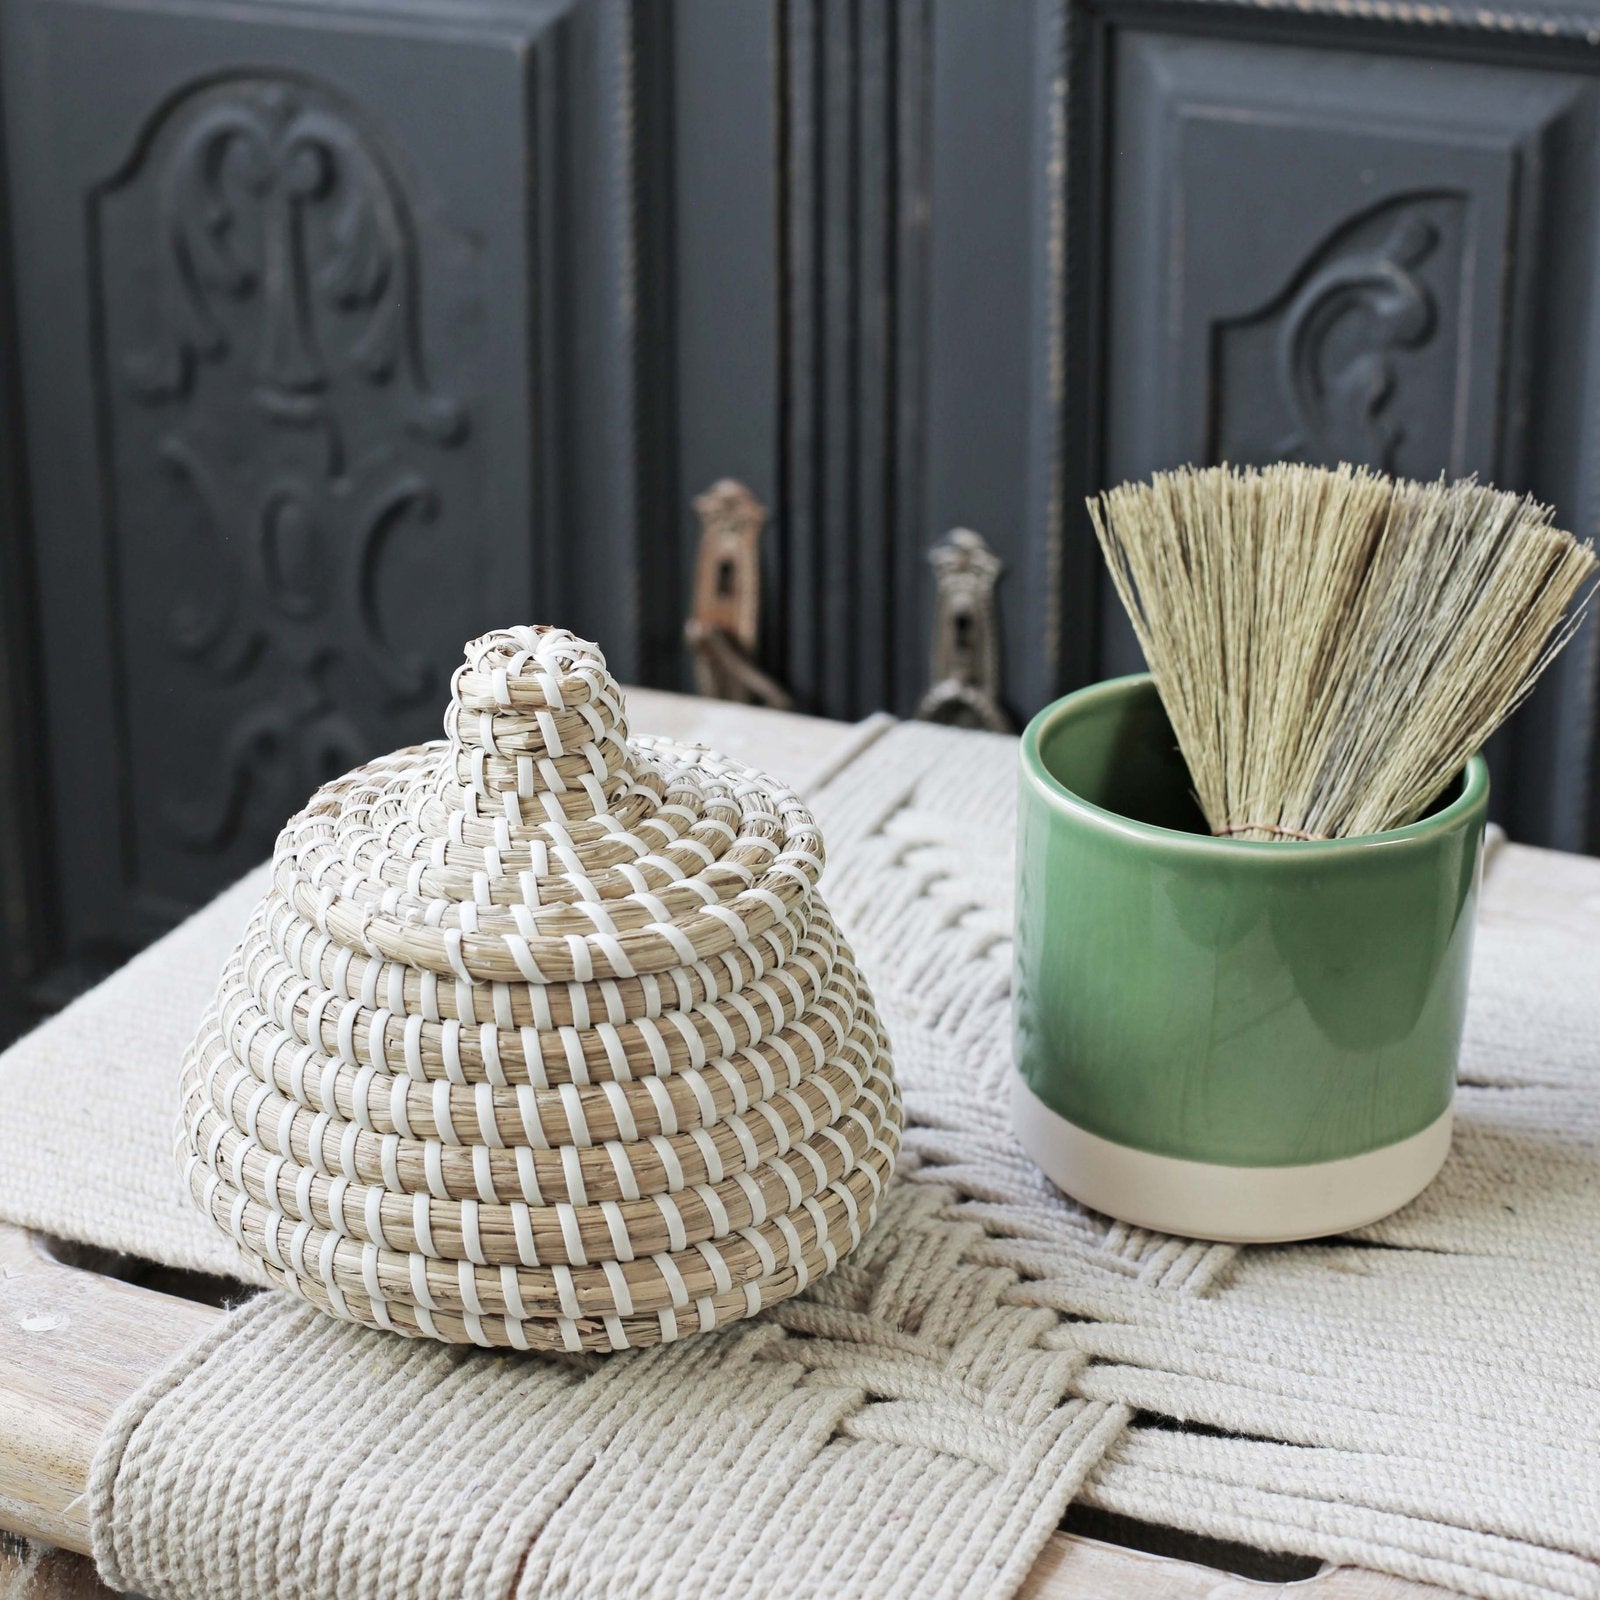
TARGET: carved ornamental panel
(1320,255)
(292,479)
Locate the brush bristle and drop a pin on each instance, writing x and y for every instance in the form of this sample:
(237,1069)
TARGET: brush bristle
(1332,645)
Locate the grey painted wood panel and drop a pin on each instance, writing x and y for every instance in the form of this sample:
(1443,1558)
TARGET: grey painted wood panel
(327,360)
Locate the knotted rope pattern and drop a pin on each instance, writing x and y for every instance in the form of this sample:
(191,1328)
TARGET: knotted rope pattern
(543,1037)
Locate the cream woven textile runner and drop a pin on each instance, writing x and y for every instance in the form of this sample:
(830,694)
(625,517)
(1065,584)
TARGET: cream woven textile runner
(1421,1397)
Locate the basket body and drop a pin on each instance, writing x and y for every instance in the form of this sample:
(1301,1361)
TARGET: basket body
(544,1037)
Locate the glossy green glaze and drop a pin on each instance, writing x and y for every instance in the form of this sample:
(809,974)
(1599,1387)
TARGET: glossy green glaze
(1251,1004)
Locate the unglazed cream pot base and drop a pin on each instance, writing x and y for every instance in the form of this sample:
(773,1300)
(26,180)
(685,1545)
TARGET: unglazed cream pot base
(1234,1205)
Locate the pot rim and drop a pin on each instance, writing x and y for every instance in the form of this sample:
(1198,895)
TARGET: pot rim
(1461,812)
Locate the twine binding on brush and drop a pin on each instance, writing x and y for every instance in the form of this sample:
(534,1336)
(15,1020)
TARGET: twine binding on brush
(1268,827)
(543,1037)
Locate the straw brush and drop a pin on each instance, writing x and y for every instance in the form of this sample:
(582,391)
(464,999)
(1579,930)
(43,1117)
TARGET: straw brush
(1332,645)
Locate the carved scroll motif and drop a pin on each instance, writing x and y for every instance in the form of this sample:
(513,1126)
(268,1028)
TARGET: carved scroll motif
(275,433)
(1366,299)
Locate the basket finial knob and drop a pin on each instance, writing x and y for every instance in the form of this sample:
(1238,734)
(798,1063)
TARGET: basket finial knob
(538,726)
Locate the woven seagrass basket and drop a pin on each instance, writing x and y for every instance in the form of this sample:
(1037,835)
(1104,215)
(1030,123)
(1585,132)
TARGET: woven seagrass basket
(543,1037)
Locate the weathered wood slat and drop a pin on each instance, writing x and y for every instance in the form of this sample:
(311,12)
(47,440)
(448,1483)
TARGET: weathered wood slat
(76,1345)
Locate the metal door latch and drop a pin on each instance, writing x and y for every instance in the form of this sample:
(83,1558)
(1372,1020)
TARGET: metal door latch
(724,628)
(966,641)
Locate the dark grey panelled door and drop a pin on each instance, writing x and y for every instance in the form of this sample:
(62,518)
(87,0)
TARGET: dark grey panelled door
(313,303)
(336,330)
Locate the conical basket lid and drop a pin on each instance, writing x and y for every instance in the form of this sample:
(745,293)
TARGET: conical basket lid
(543,1036)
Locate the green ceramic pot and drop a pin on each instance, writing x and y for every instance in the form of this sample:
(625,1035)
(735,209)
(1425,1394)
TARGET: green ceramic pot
(1223,1038)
